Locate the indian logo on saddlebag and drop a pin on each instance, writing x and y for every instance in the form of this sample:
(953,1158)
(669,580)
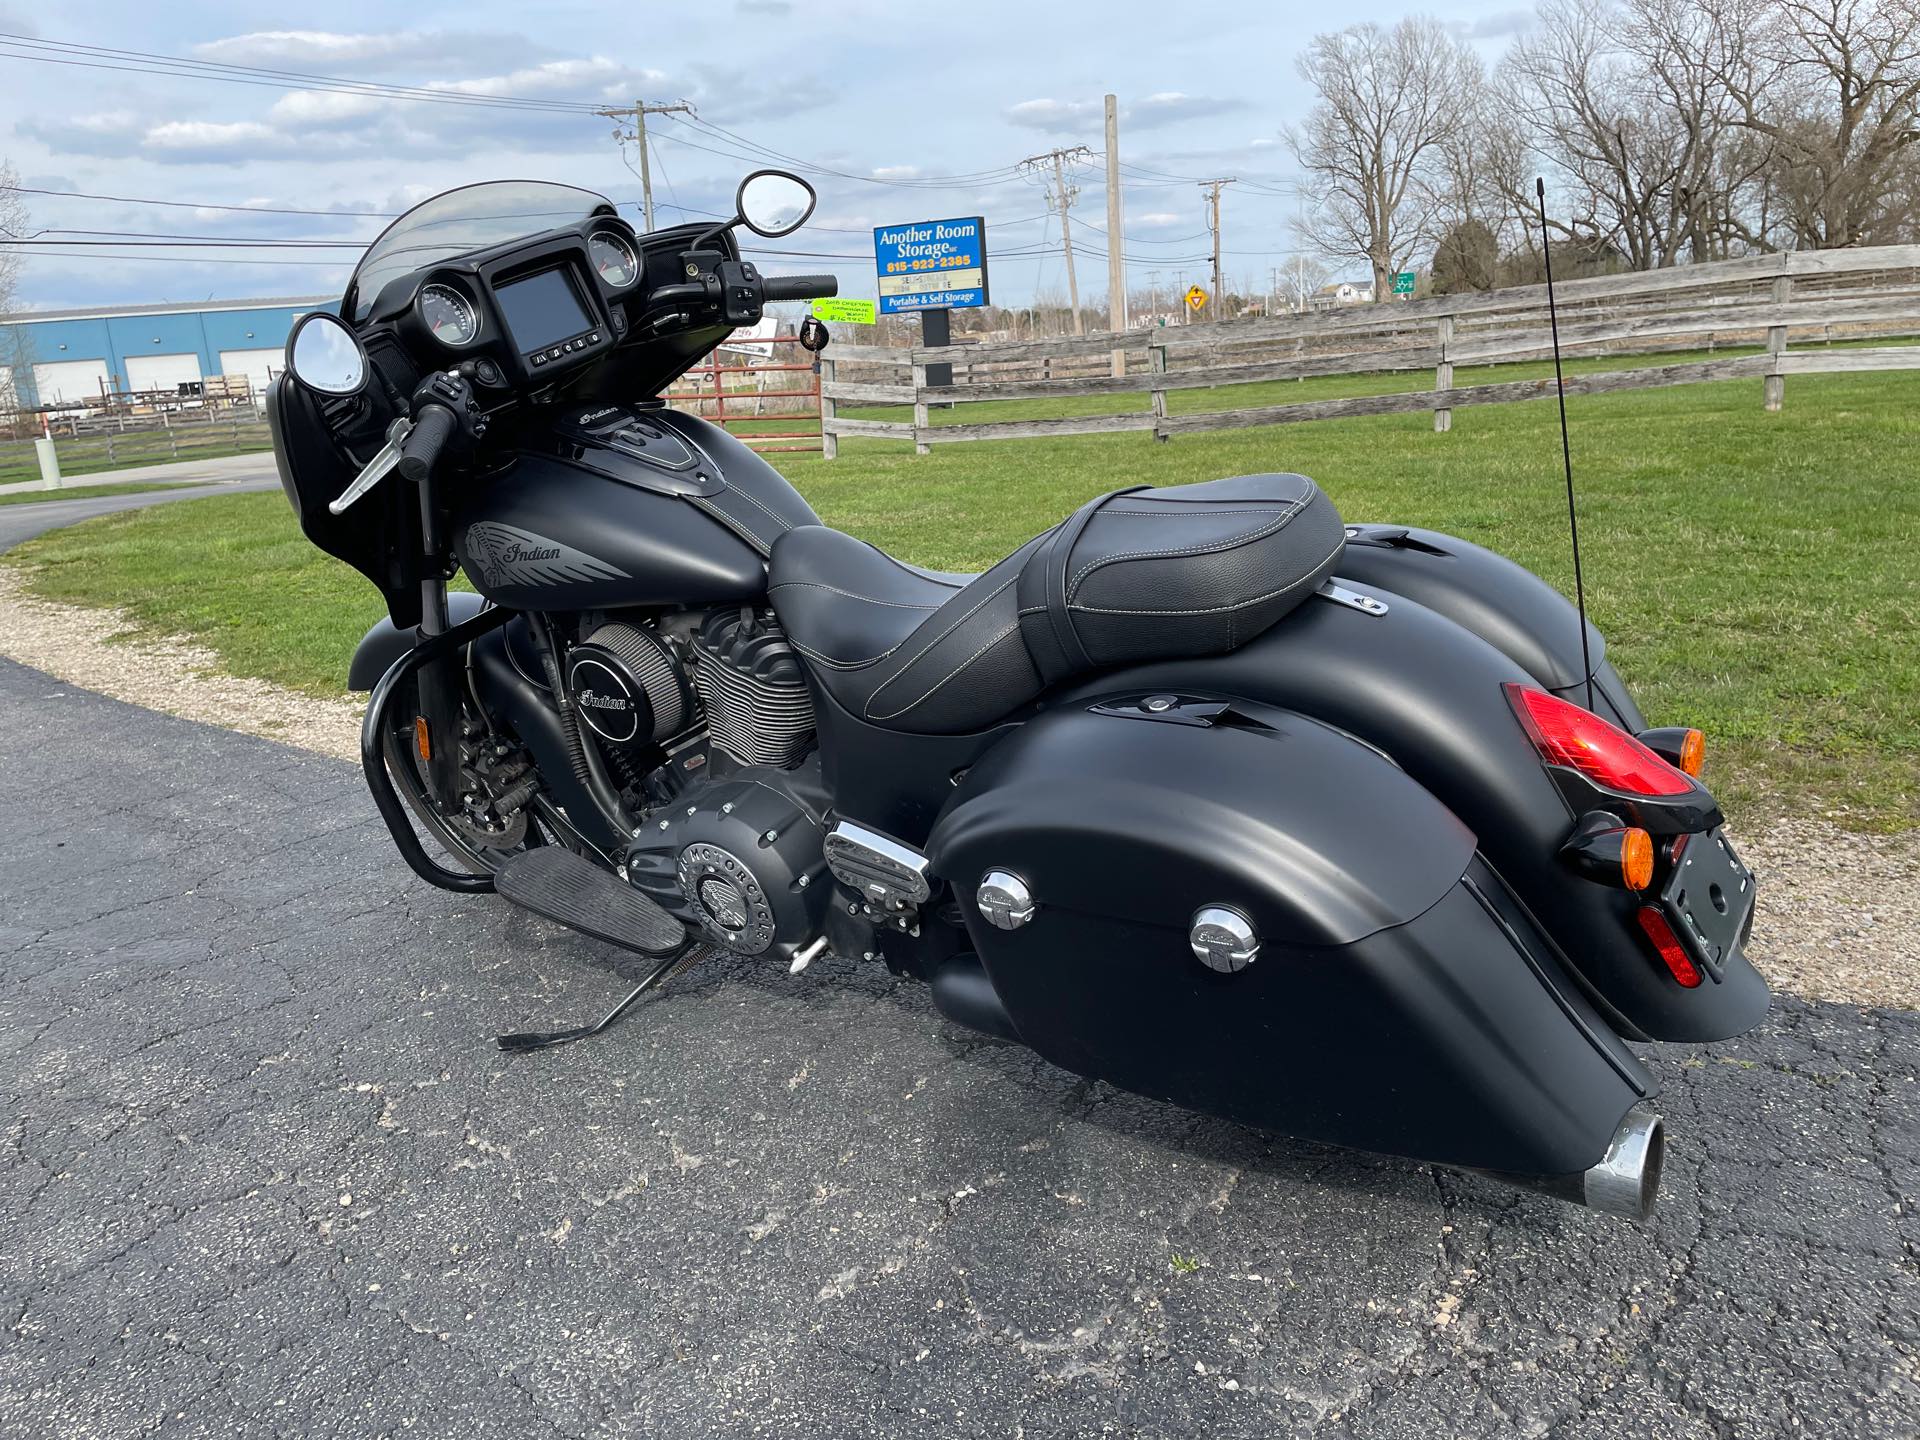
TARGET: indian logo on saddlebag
(505,555)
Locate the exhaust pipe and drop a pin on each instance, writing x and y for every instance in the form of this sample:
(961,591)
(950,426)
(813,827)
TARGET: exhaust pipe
(1625,1182)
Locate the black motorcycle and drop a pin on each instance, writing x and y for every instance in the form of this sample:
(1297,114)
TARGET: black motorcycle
(1324,828)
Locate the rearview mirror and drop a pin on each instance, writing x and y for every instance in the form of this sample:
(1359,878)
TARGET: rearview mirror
(773,203)
(324,355)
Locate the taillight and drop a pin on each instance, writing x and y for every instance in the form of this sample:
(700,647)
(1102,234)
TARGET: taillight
(1565,734)
(1671,951)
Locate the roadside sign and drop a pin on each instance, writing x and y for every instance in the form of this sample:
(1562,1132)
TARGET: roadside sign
(931,265)
(754,339)
(1195,297)
(849,312)
(1403,283)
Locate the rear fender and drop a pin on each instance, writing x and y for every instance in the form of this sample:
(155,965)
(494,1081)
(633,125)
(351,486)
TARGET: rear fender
(1505,604)
(1427,692)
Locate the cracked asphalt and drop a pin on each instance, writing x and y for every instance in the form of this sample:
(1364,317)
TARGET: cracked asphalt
(266,1174)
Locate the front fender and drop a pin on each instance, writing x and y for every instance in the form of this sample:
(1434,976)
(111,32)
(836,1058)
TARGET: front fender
(387,642)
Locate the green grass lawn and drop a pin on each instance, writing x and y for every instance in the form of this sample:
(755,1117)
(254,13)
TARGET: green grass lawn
(1756,574)
(87,492)
(91,456)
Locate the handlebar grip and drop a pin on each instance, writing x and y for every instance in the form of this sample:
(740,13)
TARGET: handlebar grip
(420,451)
(801,287)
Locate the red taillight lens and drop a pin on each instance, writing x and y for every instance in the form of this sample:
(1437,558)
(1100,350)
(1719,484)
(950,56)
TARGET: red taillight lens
(1668,944)
(1565,734)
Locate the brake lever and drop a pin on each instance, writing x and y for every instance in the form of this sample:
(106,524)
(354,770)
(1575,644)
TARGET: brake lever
(377,468)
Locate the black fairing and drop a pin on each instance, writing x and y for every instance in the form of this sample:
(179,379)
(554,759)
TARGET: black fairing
(379,537)
(1390,1006)
(579,526)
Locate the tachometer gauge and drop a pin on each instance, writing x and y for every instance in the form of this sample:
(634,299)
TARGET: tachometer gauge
(449,315)
(613,258)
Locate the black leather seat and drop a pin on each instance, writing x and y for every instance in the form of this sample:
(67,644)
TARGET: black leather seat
(1133,576)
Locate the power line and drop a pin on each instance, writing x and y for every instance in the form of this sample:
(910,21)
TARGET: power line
(95,57)
(206,205)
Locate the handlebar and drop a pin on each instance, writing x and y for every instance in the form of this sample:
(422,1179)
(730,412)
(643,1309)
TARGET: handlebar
(801,287)
(420,451)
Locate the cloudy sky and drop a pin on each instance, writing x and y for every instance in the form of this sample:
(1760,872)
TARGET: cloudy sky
(904,112)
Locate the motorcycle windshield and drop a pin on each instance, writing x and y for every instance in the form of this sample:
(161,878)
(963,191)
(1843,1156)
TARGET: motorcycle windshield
(470,218)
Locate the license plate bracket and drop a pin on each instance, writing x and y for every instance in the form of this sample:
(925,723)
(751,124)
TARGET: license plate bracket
(1709,899)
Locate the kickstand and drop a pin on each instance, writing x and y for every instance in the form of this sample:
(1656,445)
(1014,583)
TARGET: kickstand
(525,1041)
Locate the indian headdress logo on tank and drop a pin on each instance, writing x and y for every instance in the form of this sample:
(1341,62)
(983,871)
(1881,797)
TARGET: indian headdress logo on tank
(507,555)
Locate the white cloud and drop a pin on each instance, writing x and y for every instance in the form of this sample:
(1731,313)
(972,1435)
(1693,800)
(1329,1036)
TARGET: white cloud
(1049,114)
(1154,220)
(596,77)
(210,135)
(895,172)
(1165,108)
(324,107)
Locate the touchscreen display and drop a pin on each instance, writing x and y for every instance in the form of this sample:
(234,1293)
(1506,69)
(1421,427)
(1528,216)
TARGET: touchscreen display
(542,309)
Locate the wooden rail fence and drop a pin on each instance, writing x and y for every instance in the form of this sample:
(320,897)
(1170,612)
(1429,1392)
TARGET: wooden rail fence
(1765,301)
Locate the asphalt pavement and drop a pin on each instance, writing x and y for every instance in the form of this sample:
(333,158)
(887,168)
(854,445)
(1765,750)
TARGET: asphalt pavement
(266,1174)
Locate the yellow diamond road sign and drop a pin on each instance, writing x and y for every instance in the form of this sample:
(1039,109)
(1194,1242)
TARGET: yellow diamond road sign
(1195,297)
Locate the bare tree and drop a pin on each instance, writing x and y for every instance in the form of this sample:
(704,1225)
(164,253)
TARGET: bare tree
(1390,100)
(1831,89)
(1621,103)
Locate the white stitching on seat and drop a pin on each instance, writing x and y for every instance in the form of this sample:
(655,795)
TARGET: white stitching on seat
(929,647)
(1218,609)
(1209,547)
(828,660)
(896,714)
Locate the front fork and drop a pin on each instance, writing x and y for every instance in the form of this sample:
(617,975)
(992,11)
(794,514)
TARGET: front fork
(437,723)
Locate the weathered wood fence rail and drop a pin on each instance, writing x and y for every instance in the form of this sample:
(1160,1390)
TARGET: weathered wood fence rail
(1768,301)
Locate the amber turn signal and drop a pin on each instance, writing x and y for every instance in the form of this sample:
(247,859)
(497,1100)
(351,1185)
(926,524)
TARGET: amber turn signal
(1683,748)
(421,740)
(1606,849)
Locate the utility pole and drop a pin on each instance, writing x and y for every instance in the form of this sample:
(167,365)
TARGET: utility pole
(1060,196)
(639,112)
(1116,248)
(1213,189)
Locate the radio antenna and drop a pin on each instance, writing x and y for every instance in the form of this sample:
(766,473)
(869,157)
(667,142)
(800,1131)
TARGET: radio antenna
(1566,447)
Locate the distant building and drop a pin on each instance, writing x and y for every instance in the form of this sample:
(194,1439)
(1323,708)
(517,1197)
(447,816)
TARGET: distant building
(1342,292)
(70,357)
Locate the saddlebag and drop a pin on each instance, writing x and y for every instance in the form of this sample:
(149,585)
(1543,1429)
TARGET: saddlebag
(1246,912)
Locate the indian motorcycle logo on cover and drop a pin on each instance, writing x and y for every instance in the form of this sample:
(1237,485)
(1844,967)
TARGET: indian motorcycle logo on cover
(507,555)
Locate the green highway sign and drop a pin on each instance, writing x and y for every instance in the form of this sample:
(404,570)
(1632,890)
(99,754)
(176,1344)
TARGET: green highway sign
(1403,283)
(852,312)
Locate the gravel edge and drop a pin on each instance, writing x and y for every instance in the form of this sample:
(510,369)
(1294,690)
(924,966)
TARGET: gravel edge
(1839,918)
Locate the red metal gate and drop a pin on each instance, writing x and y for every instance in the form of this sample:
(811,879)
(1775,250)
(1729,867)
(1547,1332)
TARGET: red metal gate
(709,385)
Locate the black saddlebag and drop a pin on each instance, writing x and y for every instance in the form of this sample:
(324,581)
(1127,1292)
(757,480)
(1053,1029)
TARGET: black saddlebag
(1243,911)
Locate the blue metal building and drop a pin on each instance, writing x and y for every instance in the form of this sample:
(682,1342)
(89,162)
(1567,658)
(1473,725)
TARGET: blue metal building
(70,356)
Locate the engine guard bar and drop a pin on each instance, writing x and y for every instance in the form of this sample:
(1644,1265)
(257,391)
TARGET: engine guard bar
(373,761)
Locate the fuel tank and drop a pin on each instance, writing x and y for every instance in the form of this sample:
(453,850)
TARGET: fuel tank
(607,506)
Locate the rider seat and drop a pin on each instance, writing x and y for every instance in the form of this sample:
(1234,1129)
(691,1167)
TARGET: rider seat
(1134,576)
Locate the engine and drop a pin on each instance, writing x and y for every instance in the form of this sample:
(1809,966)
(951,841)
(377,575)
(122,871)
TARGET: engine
(753,689)
(733,844)
(740,859)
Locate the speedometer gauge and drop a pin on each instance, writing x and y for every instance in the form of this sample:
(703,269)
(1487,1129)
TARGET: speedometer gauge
(449,315)
(613,259)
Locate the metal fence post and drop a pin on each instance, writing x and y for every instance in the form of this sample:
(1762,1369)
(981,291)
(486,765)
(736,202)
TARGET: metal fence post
(1773,388)
(1443,376)
(829,411)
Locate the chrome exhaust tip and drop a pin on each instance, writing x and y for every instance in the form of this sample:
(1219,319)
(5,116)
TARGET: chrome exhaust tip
(1626,1182)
